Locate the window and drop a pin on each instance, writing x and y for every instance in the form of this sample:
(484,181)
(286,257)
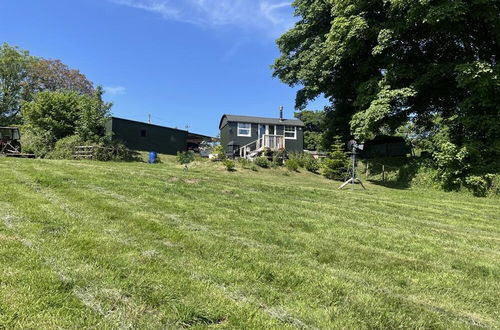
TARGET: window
(244,129)
(143,132)
(290,132)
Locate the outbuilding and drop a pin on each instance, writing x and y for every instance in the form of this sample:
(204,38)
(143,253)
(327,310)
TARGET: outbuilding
(141,136)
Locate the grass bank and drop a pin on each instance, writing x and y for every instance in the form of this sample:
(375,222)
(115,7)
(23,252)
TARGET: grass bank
(132,245)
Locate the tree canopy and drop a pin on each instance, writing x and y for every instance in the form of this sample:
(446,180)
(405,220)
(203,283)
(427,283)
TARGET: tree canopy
(384,63)
(22,76)
(314,127)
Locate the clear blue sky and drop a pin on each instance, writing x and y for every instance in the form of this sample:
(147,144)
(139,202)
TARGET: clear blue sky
(186,62)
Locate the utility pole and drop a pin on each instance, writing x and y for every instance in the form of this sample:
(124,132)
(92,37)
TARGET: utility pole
(149,118)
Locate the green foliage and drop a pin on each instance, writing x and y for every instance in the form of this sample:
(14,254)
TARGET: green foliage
(65,147)
(245,163)
(262,162)
(218,151)
(14,67)
(292,164)
(279,157)
(93,115)
(312,165)
(64,114)
(336,165)
(56,115)
(451,166)
(185,157)
(37,142)
(315,125)
(385,64)
(299,157)
(230,165)
(23,76)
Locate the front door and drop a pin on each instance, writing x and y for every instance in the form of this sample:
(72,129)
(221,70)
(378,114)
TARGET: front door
(262,130)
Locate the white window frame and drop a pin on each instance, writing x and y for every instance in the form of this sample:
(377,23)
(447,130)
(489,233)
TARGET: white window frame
(249,129)
(294,133)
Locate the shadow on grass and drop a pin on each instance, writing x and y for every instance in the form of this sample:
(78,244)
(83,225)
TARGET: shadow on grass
(391,184)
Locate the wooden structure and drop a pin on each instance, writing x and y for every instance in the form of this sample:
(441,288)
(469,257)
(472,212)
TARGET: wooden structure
(249,137)
(91,152)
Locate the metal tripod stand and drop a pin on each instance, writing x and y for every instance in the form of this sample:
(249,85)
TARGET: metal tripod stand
(353,179)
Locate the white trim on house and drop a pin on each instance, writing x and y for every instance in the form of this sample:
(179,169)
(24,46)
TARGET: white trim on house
(294,131)
(244,128)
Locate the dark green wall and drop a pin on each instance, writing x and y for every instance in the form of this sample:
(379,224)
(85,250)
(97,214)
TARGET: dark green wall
(163,140)
(230,133)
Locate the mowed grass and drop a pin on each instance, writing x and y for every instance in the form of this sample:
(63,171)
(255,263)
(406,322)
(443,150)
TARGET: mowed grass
(131,245)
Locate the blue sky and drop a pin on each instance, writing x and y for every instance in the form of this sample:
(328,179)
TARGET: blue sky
(185,62)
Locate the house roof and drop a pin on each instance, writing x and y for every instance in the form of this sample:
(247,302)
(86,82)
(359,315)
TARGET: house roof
(259,120)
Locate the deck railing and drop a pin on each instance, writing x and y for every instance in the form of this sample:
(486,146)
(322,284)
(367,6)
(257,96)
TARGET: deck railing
(273,142)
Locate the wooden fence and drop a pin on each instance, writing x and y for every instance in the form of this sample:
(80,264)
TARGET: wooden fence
(91,152)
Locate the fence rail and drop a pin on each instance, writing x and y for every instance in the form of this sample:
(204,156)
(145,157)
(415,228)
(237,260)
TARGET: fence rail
(90,152)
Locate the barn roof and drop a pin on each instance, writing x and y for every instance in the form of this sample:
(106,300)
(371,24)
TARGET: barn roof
(259,120)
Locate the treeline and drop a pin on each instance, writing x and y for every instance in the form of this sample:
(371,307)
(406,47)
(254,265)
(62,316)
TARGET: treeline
(425,69)
(56,107)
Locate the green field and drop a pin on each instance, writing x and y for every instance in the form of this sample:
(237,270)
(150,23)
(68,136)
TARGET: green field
(131,245)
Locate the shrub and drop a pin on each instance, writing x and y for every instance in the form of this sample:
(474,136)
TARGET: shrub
(185,157)
(279,157)
(336,165)
(292,165)
(299,157)
(254,168)
(218,151)
(262,162)
(37,142)
(312,165)
(245,163)
(451,165)
(65,147)
(229,164)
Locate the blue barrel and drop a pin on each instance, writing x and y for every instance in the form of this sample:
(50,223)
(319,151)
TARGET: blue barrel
(153,157)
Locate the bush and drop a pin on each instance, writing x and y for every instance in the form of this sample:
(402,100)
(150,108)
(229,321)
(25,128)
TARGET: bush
(185,157)
(451,165)
(65,147)
(336,165)
(218,151)
(36,142)
(116,151)
(279,157)
(254,168)
(292,165)
(262,162)
(229,164)
(245,163)
(299,157)
(312,165)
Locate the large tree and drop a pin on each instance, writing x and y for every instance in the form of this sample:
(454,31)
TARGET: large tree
(22,76)
(384,63)
(14,67)
(314,128)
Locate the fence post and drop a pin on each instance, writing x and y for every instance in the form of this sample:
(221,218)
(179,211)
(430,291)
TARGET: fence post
(367,169)
(383,173)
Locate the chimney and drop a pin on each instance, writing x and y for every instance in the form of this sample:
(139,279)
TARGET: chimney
(281,113)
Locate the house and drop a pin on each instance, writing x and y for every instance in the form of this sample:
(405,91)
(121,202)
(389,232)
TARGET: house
(149,137)
(245,136)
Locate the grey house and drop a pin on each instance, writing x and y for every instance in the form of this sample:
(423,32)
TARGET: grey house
(246,136)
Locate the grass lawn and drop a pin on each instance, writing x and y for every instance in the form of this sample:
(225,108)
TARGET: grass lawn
(131,245)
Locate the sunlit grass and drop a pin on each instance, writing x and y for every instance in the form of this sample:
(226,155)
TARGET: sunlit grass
(132,245)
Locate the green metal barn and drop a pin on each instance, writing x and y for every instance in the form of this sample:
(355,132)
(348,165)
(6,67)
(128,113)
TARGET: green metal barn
(149,137)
